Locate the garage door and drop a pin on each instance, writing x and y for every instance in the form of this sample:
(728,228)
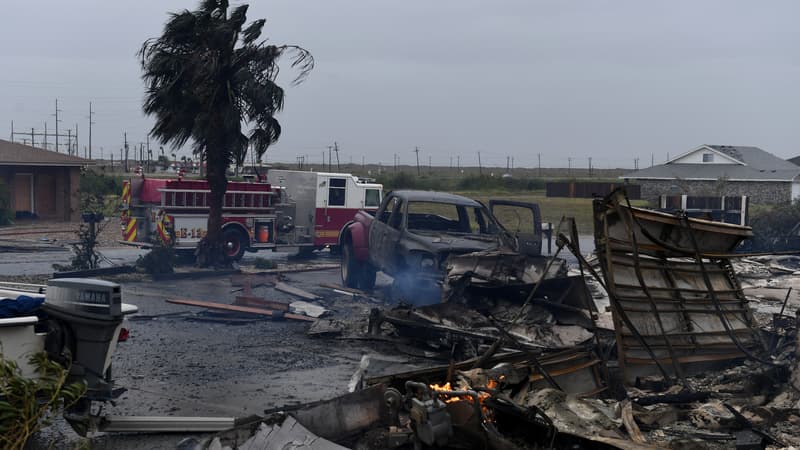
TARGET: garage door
(45,195)
(22,192)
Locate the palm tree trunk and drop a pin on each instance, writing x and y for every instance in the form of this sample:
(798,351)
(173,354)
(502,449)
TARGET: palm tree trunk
(210,250)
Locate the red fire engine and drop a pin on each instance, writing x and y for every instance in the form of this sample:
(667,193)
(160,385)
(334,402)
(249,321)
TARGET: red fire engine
(255,215)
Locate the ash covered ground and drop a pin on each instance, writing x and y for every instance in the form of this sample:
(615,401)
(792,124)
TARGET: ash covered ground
(179,361)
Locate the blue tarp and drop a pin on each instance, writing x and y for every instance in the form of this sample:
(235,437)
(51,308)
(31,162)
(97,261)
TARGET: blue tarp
(22,306)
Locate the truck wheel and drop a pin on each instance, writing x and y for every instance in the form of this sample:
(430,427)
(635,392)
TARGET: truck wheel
(235,244)
(367,277)
(351,267)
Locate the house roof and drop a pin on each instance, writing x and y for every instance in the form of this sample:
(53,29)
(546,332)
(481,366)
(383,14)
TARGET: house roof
(16,154)
(747,164)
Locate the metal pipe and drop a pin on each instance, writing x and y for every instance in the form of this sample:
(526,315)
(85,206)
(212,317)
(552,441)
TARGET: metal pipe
(156,424)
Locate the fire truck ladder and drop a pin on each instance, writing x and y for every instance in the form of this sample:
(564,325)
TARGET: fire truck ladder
(233,200)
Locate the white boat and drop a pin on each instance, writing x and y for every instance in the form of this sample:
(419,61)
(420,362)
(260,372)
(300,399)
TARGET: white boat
(77,325)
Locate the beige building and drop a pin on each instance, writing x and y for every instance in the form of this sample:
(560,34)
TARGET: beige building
(40,183)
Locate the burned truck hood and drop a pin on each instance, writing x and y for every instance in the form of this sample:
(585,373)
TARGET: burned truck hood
(446,244)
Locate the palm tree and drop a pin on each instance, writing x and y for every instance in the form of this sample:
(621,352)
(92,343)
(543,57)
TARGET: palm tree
(206,77)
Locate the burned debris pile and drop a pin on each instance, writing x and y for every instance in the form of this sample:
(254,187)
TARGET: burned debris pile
(676,303)
(674,355)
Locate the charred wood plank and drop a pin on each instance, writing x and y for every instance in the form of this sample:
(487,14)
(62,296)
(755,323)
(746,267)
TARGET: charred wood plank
(241,309)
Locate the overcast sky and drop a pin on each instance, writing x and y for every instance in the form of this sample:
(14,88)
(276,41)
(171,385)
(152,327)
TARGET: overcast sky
(611,80)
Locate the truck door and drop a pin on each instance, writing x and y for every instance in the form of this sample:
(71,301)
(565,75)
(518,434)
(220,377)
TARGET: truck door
(385,233)
(523,221)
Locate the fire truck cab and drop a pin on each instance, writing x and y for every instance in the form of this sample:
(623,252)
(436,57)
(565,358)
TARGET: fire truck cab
(303,210)
(325,201)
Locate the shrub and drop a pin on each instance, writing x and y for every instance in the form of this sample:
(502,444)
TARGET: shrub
(100,193)
(160,259)
(6,213)
(100,185)
(774,228)
(485,182)
(27,405)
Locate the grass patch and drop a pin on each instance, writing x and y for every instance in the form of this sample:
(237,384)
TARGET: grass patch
(552,208)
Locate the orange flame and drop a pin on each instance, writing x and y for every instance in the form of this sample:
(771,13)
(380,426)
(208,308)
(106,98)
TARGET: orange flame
(482,396)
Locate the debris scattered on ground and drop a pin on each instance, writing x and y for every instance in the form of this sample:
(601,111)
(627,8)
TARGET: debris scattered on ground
(242,309)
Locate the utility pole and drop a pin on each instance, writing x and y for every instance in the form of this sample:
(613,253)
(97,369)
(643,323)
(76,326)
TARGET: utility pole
(458,160)
(330,157)
(56,114)
(635,163)
(590,166)
(125,164)
(395,163)
(539,156)
(90,129)
(44,139)
(430,164)
(569,165)
(480,166)
(336,149)
(652,159)
(416,150)
(508,164)
(512,163)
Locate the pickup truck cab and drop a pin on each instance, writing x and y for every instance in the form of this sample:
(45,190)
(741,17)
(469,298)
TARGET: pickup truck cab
(413,232)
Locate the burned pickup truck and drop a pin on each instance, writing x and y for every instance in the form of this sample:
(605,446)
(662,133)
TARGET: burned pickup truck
(414,232)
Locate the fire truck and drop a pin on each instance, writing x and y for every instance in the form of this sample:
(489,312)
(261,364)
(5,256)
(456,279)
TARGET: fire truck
(326,201)
(303,210)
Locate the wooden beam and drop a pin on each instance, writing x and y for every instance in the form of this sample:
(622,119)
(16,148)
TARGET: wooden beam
(241,309)
(258,302)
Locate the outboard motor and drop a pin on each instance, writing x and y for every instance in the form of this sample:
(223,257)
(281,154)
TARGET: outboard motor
(84,318)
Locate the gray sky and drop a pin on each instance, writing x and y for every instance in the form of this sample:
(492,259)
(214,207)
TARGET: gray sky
(611,80)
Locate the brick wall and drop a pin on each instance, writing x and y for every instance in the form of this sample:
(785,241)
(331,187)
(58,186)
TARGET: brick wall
(759,192)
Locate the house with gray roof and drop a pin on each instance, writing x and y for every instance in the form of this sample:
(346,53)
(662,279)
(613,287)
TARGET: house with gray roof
(717,170)
(39,183)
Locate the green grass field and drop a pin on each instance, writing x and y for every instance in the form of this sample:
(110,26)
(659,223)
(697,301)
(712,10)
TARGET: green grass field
(552,208)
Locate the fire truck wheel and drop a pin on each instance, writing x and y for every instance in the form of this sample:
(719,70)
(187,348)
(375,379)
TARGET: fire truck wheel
(235,244)
(351,267)
(367,278)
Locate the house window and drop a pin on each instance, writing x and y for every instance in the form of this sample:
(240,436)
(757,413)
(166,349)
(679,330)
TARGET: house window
(336,191)
(708,157)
